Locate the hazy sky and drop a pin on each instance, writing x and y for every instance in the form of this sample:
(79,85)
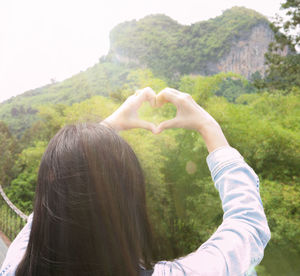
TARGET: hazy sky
(45,39)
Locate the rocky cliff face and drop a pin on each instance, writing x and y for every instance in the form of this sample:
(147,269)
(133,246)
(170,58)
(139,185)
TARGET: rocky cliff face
(247,54)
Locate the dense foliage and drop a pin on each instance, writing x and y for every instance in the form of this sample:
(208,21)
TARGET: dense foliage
(263,124)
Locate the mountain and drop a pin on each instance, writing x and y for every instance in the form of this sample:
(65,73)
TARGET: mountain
(235,41)
(20,112)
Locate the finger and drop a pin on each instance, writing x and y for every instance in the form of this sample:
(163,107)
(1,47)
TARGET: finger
(146,94)
(167,95)
(149,95)
(166,124)
(145,125)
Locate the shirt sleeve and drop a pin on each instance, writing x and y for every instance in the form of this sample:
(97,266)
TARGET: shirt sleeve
(238,244)
(16,250)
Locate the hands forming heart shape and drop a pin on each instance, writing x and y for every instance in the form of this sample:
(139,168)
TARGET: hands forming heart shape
(189,114)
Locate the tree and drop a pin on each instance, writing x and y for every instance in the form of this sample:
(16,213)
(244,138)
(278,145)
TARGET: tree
(284,71)
(22,189)
(292,8)
(8,150)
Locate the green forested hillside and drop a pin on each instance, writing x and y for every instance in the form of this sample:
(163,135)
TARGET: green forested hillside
(262,122)
(106,79)
(171,49)
(20,112)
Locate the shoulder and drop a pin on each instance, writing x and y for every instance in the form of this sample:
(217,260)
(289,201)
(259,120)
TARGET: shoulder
(8,269)
(166,268)
(16,250)
(201,262)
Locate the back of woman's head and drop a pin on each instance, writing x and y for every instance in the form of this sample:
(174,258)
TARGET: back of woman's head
(90,212)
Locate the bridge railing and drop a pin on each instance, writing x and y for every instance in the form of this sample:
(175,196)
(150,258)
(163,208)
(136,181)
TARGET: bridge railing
(12,219)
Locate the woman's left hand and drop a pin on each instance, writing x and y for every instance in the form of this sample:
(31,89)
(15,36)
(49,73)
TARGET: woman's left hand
(126,116)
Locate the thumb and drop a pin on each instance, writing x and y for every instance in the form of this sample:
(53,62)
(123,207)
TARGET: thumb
(166,124)
(145,125)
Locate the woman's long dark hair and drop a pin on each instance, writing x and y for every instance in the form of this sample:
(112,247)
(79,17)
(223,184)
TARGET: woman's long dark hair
(90,209)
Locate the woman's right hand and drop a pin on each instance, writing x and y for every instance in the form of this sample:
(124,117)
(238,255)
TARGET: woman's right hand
(191,116)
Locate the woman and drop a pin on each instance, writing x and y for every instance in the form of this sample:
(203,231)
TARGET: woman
(90,213)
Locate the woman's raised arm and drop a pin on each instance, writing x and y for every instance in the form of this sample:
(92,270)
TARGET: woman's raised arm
(238,244)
